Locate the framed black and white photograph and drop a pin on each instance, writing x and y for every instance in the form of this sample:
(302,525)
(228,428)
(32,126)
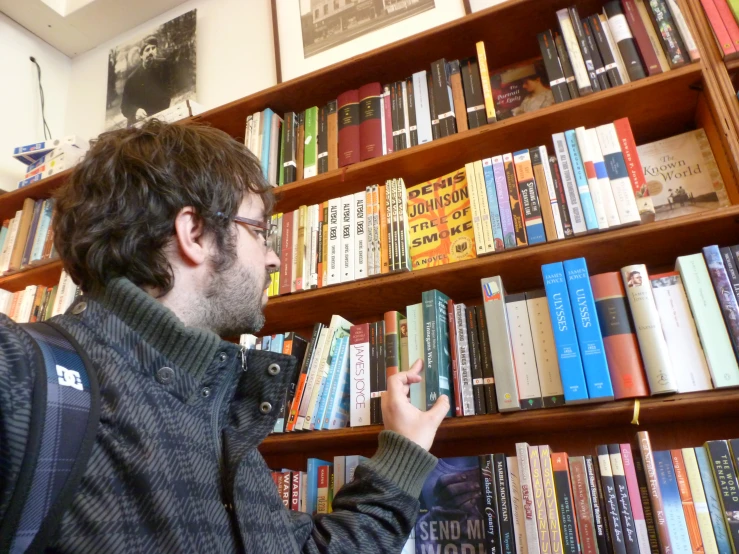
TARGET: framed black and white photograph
(149,74)
(317,33)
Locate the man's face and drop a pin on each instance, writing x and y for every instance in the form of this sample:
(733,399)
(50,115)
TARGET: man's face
(149,54)
(636,278)
(237,295)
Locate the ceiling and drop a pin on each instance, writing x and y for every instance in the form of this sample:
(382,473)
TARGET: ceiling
(76,26)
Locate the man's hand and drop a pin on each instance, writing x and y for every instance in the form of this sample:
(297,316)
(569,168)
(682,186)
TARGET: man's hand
(141,114)
(403,417)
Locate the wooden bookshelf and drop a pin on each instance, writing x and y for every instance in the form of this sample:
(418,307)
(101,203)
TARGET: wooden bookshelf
(697,95)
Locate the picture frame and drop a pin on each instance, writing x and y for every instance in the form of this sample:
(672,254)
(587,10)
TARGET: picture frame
(305,43)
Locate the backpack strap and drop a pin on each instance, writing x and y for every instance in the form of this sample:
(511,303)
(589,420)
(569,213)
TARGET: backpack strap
(65,411)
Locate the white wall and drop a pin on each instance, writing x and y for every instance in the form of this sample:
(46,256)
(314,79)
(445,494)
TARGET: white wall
(19,95)
(235,57)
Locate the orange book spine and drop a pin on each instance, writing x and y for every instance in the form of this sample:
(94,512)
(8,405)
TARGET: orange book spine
(384,254)
(691,517)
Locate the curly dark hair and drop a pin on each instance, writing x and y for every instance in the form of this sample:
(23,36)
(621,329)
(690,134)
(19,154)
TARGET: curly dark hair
(115,213)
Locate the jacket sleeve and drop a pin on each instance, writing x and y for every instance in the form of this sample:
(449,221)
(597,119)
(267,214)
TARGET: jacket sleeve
(16,386)
(376,512)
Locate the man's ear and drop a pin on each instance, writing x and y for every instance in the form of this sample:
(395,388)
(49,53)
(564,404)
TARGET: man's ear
(189,237)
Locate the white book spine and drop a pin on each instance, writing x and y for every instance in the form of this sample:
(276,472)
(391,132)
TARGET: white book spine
(482,199)
(307,247)
(407,124)
(545,349)
(414,314)
(297,283)
(517,515)
(583,143)
(378,246)
(475,208)
(334,242)
(10,241)
(463,360)
(423,113)
(606,193)
(247,132)
(24,313)
(527,498)
(360,235)
(256,136)
(568,180)
(623,193)
(369,230)
(688,361)
(347,238)
(614,49)
(313,373)
(527,374)
(64,282)
(573,49)
(383,123)
(553,204)
(652,344)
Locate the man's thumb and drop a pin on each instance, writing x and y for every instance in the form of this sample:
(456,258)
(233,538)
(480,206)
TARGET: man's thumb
(439,410)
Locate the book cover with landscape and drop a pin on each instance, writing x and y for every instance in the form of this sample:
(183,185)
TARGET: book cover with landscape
(440,221)
(682,175)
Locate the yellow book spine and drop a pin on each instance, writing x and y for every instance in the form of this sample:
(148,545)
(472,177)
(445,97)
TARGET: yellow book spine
(482,61)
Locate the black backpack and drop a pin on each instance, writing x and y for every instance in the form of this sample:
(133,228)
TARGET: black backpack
(65,410)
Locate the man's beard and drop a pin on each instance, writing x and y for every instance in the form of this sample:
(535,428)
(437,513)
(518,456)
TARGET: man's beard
(232,303)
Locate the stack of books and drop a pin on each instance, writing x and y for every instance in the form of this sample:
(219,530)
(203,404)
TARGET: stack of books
(723,16)
(50,157)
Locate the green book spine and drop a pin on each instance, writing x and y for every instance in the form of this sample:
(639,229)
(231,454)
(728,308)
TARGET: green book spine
(310,160)
(436,347)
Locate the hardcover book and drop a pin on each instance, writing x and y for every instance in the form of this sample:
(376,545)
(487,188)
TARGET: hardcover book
(583,505)
(545,349)
(655,491)
(523,352)
(440,221)
(691,517)
(700,504)
(621,32)
(715,508)
(644,201)
(618,174)
(725,476)
(674,514)
(682,175)
(565,502)
(370,124)
(349,143)
(521,88)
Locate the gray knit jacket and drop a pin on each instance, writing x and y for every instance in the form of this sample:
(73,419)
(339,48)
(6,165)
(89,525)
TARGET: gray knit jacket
(175,465)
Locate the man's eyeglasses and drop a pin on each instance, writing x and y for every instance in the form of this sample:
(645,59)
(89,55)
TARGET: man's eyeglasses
(264,229)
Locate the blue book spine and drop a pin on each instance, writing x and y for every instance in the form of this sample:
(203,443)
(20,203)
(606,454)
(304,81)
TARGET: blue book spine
(712,499)
(320,410)
(492,194)
(588,330)
(266,132)
(3,236)
(338,417)
(43,230)
(28,148)
(565,336)
(29,181)
(312,492)
(673,505)
(581,179)
(336,379)
(278,342)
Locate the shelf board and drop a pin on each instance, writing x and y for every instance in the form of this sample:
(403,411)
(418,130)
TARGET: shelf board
(12,201)
(707,405)
(642,102)
(46,273)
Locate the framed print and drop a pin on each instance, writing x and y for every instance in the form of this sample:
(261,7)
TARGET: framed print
(312,34)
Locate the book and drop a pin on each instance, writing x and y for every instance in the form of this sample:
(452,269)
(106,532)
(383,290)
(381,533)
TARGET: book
(473,94)
(464,397)
(414,320)
(524,358)
(539,498)
(489,503)
(506,386)
(436,347)
(586,144)
(503,498)
(655,491)
(619,27)
(565,335)
(673,507)
(619,337)
(493,207)
(529,197)
(611,505)
(491,403)
(652,35)
(667,31)
(550,495)
(628,525)
(635,499)
(567,70)
(565,503)
(468,522)
(25,218)
(639,31)
(715,507)
(477,182)
(686,354)
(333,275)
(322,139)
(589,336)
(370,122)
(504,204)
(618,174)
(644,201)
(725,477)
(608,53)
(360,235)
(592,64)
(708,321)
(555,74)
(560,196)
(574,206)
(545,190)
(360,386)
(349,143)
(682,175)
(583,505)
(545,350)
(460,109)
(654,351)
(724,290)
(530,519)
(700,505)
(346,231)
(312,484)
(584,84)
(514,200)
(443,98)
(521,88)
(476,392)
(412,117)
(482,60)
(421,102)
(476,211)
(724,26)
(686,496)
(310,146)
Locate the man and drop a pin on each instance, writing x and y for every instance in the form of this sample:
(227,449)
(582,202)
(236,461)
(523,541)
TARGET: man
(164,230)
(148,90)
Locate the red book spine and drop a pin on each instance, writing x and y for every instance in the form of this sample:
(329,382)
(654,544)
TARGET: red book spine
(655,494)
(370,122)
(686,497)
(634,167)
(723,24)
(619,336)
(648,56)
(349,142)
(455,361)
(286,256)
(581,498)
(295,492)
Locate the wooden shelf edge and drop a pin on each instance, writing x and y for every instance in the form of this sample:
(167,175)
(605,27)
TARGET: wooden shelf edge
(29,274)
(732,65)
(652,410)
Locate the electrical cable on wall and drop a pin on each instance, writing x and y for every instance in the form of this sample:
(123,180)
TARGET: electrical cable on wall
(43,108)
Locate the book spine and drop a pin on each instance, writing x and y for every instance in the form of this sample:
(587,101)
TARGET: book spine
(565,502)
(691,517)
(606,52)
(264,152)
(406,114)
(724,292)
(567,70)
(601,530)
(550,495)
(506,386)
(441,97)
(395,206)
(473,94)
(574,207)
(442,345)
(347,238)
(523,352)
(478,392)
(503,498)
(288,220)
(489,504)
(655,492)
(621,33)
(527,498)
(433,386)
(700,505)
(600,68)
(565,336)
(581,181)
(454,349)
(465,397)
(324,244)
(322,141)
(724,25)
(611,500)
(360,235)
(460,109)
(387,121)
(349,144)
(623,193)
(544,349)
(529,198)
(482,60)
(628,525)
(579,68)
(370,121)
(729,264)
(561,197)
(414,315)
(557,81)
(674,514)
(715,508)
(494,209)
(688,361)
(626,141)
(334,242)
(587,158)
(491,403)
(339,407)
(548,212)
(482,199)
(475,209)
(501,191)
(725,477)
(667,31)
(517,513)
(310,157)
(435,134)
(641,479)
(639,31)
(423,114)
(711,329)
(412,112)
(589,336)
(359,367)
(583,505)
(540,502)
(585,51)
(684,30)
(513,197)
(381,370)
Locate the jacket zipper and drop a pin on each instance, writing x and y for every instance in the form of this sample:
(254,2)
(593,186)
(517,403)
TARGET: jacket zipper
(215,414)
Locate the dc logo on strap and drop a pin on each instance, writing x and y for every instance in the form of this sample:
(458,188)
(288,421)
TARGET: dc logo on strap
(69,378)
